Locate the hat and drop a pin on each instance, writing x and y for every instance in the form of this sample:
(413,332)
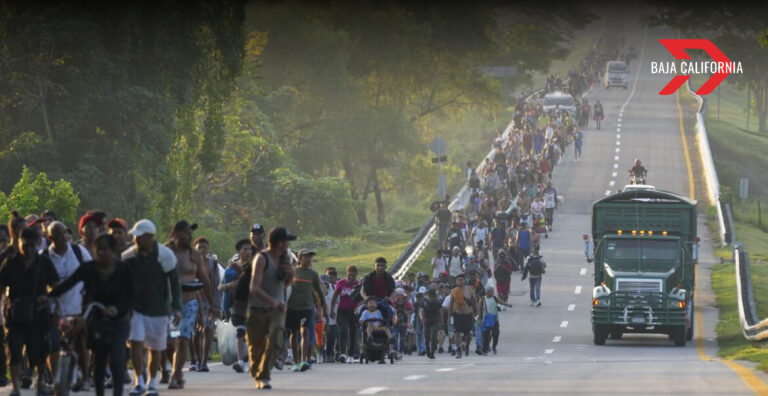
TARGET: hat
(280,234)
(91,217)
(184,225)
(400,292)
(256,227)
(32,220)
(304,252)
(49,213)
(143,226)
(422,290)
(117,222)
(420,274)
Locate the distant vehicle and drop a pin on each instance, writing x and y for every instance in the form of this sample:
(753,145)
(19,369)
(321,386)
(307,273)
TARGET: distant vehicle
(560,101)
(644,248)
(636,187)
(616,74)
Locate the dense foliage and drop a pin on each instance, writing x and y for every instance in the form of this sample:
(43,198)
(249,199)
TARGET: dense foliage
(227,113)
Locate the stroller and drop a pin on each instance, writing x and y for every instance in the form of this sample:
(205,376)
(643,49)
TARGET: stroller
(377,347)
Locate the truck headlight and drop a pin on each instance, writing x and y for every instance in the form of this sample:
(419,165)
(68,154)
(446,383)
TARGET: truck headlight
(600,302)
(676,304)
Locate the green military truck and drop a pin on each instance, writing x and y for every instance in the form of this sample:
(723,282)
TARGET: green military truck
(644,248)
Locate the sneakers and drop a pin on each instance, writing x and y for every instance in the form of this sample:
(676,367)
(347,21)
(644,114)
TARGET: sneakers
(342,358)
(152,392)
(458,355)
(193,366)
(205,369)
(533,304)
(279,364)
(138,390)
(263,385)
(494,351)
(350,359)
(538,303)
(237,367)
(165,376)
(441,350)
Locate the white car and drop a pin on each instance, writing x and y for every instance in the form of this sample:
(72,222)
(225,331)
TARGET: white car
(560,101)
(636,187)
(616,75)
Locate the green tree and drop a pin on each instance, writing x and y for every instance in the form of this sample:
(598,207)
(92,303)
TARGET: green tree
(34,193)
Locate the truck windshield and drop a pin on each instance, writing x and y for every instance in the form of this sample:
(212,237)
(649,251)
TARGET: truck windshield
(641,249)
(617,68)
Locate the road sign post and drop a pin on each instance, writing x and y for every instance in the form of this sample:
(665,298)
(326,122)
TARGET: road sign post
(439,147)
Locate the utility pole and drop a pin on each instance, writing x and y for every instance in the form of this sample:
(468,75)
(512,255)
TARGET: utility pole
(439,148)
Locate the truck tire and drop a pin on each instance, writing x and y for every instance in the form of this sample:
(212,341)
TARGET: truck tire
(616,334)
(600,333)
(678,335)
(689,333)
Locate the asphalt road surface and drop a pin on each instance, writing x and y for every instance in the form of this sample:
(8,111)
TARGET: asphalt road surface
(549,350)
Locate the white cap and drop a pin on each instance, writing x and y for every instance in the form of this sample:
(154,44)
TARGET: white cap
(143,226)
(423,290)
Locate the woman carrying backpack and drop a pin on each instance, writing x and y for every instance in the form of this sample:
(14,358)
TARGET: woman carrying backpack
(535,267)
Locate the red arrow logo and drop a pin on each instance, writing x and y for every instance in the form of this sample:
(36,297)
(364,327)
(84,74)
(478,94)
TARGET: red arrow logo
(678,46)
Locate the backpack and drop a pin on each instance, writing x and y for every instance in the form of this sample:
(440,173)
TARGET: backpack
(502,274)
(243,289)
(75,249)
(535,265)
(402,316)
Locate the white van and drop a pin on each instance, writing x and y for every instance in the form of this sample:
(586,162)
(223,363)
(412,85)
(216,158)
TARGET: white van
(616,75)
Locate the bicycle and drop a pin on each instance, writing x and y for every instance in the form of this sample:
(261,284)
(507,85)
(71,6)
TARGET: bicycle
(70,327)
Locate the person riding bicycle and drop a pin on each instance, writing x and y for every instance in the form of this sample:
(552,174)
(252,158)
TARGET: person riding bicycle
(638,170)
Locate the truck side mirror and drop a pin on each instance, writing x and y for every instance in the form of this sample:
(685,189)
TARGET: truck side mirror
(588,248)
(695,253)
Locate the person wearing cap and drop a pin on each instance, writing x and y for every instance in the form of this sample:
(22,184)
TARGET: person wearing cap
(299,317)
(429,314)
(118,228)
(158,293)
(257,237)
(271,273)
(192,273)
(90,226)
(379,283)
(67,258)
(490,323)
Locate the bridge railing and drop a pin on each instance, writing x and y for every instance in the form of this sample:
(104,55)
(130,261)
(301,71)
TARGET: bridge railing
(752,327)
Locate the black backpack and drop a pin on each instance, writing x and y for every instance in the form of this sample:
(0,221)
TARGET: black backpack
(535,265)
(243,289)
(75,249)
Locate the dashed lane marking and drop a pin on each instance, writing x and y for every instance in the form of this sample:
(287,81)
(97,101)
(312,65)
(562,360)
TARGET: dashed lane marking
(549,351)
(614,174)
(618,136)
(583,271)
(577,290)
(616,158)
(557,339)
(414,377)
(564,323)
(572,307)
(611,183)
(607,192)
(372,390)
(445,370)
(615,166)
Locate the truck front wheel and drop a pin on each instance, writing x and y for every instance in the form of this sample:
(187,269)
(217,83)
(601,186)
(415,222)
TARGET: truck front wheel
(600,334)
(678,335)
(616,334)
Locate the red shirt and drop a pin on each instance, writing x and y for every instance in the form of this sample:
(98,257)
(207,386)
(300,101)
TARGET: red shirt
(380,286)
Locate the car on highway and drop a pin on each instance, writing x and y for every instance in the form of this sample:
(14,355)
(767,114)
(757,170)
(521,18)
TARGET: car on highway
(560,101)
(638,187)
(616,74)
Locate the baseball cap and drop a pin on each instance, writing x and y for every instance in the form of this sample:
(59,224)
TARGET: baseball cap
(184,225)
(400,292)
(143,226)
(304,252)
(49,213)
(422,290)
(87,218)
(256,227)
(117,222)
(279,234)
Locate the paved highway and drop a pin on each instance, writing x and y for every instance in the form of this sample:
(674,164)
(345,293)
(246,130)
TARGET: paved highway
(549,350)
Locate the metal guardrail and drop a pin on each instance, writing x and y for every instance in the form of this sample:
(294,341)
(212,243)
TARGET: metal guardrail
(752,327)
(710,173)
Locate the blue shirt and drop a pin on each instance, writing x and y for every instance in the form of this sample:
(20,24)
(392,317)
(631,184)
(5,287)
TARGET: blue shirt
(230,274)
(524,239)
(372,315)
(579,138)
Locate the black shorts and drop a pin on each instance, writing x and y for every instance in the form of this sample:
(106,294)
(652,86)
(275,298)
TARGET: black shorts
(463,323)
(293,319)
(31,336)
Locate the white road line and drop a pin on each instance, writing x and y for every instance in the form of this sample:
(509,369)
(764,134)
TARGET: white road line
(572,307)
(564,323)
(618,125)
(618,150)
(637,72)
(414,377)
(618,142)
(607,192)
(618,129)
(615,157)
(530,358)
(557,339)
(619,120)
(615,166)
(614,174)
(549,351)
(618,136)
(372,390)
(445,370)
(577,290)
(611,183)
(583,271)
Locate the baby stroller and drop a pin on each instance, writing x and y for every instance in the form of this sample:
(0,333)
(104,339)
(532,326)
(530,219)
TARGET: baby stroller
(378,347)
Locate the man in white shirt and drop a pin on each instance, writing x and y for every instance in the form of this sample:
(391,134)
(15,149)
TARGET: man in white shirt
(454,265)
(438,264)
(67,258)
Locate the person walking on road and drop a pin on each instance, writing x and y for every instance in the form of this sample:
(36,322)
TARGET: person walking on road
(550,204)
(462,309)
(598,114)
(379,283)
(535,267)
(578,142)
(271,273)
(299,320)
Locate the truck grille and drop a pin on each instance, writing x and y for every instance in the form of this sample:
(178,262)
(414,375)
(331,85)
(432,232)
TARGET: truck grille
(638,285)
